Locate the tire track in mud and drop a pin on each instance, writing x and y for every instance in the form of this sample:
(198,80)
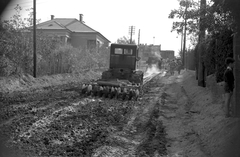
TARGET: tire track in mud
(56,119)
(143,134)
(50,127)
(14,106)
(17,117)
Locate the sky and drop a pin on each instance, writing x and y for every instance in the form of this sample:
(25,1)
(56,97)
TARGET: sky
(112,18)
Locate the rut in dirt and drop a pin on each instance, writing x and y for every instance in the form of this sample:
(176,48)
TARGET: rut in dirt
(61,122)
(143,134)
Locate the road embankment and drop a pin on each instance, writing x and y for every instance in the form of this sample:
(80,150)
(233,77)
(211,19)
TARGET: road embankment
(218,136)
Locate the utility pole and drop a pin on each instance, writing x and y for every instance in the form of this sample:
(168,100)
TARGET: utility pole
(236,55)
(201,67)
(196,52)
(184,40)
(138,37)
(34,41)
(131,32)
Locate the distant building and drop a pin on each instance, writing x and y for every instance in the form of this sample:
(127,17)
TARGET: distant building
(73,31)
(146,51)
(167,54)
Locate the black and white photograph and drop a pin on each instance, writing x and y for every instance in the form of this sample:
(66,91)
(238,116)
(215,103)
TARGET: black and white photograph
(110,78)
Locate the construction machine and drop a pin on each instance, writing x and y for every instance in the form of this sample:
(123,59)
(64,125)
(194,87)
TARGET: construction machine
(122,80)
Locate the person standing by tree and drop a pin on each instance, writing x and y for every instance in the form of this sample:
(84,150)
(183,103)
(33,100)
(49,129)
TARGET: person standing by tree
(229,84)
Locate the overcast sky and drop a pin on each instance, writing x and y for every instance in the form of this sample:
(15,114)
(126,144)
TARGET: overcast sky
(112,18)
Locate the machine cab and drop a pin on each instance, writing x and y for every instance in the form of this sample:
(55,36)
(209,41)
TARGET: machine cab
(123,56)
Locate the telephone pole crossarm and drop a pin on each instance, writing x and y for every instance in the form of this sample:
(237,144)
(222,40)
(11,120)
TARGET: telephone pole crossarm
(131,32)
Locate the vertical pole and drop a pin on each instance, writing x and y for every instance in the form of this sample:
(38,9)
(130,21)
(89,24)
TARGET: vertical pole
(131,35)
(184,40)
(139,37)
(201,66)
(196,55)
(236,54)
(186,59)
(34,41)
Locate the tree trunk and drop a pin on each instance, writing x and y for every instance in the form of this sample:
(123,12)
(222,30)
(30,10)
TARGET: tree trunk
(201,68)
(184,40)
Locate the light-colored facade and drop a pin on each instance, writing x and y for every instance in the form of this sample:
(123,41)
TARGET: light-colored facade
(73,31)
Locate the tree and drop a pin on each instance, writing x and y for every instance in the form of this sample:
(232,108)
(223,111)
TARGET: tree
(124,40)
(217,20)
(53,56)
(16,44)
(189,11)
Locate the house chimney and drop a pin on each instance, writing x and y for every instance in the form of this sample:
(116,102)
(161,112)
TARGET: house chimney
(81,18)
(52,17)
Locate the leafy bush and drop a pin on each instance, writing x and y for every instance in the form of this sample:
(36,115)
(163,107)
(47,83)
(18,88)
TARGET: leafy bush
(53,57)
(218,47)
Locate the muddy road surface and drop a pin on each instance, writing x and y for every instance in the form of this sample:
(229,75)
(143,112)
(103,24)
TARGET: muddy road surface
(59,121)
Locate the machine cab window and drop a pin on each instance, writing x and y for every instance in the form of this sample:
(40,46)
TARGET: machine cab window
(128,51)
(123,51)
(118,51)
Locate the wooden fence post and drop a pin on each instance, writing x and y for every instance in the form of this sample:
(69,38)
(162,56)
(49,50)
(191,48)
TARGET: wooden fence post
(236,54)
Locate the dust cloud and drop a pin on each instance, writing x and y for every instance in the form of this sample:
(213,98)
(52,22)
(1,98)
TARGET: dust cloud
(153,69)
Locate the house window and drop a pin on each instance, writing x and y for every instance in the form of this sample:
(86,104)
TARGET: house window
(98,46)
(62,38)
(91,44)
(68,40)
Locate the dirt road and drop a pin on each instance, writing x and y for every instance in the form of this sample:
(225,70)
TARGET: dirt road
(60,122)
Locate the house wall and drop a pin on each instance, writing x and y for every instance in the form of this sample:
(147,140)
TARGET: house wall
(81,39)
(102,41)
(77,39)
(63,34)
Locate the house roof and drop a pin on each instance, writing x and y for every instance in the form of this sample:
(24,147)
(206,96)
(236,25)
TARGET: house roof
(71,24)
(78,26)
(51,25)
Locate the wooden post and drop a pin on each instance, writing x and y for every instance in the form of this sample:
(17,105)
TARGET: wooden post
(184,38)
(236,94)
(138,37)
(34,41)
(201,67)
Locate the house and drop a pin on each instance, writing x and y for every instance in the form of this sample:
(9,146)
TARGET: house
(73,31)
